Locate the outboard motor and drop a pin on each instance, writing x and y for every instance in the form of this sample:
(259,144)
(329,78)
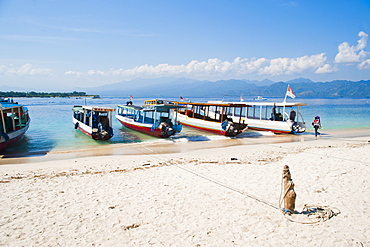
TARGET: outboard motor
(101,131)
(167,130)
(229,127)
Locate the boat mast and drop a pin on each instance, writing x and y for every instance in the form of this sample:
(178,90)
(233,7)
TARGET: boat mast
(286,94)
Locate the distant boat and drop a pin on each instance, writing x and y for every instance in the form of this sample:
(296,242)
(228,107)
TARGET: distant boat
(14,122)
(260,98)
(96,97)
(212,117)
(96,122)
(156,118)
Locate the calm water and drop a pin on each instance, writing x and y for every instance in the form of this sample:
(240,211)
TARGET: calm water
(52,129)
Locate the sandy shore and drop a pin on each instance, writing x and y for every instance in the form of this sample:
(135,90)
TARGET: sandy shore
(206,196)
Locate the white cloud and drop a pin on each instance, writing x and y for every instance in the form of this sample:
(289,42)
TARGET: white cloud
(350,54)
(365,64)
(73,73)
(326,68)
(216,68)
(95,72)
(287,66)
(26,69)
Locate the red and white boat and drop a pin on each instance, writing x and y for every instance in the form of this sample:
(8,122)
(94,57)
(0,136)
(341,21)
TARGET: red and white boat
(95,122)
(213,117)
(156,118)
(275,117)
(14,122)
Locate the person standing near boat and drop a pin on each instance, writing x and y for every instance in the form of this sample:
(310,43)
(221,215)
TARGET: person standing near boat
(316,125)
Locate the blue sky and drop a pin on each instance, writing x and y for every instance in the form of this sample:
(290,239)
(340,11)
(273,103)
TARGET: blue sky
(62,44)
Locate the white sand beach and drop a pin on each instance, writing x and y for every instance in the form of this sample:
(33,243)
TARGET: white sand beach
(208,196)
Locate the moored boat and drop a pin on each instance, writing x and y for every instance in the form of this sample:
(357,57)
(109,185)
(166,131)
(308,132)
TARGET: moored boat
(275,117)
(272,116)
(156,118)
(96,122)
(14,122)
(213,117)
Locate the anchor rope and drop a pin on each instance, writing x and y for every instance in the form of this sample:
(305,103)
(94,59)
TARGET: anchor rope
(320,213)
(160,157)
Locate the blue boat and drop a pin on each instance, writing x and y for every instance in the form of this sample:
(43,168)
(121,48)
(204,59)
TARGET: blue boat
(14,122)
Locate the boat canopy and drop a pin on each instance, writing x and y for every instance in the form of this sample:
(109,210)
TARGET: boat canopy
(249,104)
(153,105)
(93,108)
(131,107)
(215,103)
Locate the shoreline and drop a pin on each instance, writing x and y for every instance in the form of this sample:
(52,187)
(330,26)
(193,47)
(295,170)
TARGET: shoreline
(168,146)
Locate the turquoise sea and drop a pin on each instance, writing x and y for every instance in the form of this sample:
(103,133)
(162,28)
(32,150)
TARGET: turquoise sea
(52,129)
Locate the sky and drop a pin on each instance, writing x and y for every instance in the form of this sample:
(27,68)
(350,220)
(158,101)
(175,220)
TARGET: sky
(50,45)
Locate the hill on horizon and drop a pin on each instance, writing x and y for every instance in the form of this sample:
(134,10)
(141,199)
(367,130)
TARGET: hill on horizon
(235,87)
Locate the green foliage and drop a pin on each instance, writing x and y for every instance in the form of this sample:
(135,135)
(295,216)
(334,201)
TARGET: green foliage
(42,94)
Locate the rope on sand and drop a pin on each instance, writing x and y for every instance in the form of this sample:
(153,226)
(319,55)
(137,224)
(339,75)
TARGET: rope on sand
(229,187)
(310,214)
(313,213)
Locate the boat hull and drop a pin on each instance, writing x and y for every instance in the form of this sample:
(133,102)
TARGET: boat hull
(142,127)
(272,126)
(87,130)
(12,137)
(208,126)
(278,127)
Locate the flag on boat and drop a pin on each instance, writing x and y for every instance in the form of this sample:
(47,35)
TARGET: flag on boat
(289,92)
(241,99)
(131,97)
(181,98)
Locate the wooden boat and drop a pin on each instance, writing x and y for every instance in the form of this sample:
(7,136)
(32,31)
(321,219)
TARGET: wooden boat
(269,116)
(95,122)
(213,117)
(14,122)
(156,118)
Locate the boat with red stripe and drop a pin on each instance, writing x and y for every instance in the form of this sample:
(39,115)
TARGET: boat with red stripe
(212,117)
(157,118)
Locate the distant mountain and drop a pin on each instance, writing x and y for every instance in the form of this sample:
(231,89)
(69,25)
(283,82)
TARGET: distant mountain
(170,87)
(177,86)
(338,88)
(299,80)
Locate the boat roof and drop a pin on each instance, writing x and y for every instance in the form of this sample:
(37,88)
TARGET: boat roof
(157,107)
(214,103)
(92,108)
(132,107)
(7,103)
(264,103)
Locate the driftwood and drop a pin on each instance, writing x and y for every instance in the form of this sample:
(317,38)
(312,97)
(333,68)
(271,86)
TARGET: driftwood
(289,193)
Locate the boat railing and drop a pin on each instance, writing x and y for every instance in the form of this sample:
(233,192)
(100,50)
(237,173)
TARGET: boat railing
(300,117)
(286,116)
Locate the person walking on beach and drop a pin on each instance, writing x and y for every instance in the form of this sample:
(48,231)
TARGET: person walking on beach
(316,125)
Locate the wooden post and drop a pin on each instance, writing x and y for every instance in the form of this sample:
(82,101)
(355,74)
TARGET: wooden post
(289,193)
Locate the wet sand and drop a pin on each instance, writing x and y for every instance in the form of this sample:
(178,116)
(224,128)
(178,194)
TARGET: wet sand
(167,147)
